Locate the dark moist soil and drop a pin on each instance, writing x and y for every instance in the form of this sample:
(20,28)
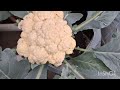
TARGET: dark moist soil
(9,39)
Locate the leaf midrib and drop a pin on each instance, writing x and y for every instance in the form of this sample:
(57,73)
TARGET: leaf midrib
(5,74)
(88,63)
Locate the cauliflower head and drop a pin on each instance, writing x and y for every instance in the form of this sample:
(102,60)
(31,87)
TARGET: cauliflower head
(45,37)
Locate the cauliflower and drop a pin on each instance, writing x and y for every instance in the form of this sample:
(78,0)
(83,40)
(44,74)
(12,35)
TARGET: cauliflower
(45,37)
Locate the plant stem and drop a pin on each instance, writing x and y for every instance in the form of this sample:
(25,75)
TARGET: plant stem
(39,72)
(100,52)
(73,70)
(87,21)
(67,15)
(84,50)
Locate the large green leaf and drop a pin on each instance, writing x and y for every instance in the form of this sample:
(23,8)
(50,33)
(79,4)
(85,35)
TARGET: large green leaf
(97,20)
(96,40)
(34,65)
(39,72)
(10,68)
(87,61)
(104,20)
(113,29)
(4,15)
(73,17)
(20,14)
(90,67)
(110,54)
(67,73)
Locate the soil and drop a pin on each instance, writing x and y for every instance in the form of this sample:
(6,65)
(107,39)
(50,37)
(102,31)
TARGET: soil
(9,39)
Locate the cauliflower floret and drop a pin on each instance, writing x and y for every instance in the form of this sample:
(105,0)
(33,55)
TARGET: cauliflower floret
(29,16)
(52,48)
(40,41)
(37,25)
(67,47)
(26,25)
(24,35)
(40,54)
(42,15)
(59,14)
(36,18)
(45,37)
(22,47)
(59,57)
(32,37)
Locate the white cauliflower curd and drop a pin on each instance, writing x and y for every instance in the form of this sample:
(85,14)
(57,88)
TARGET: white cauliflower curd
(45,37)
